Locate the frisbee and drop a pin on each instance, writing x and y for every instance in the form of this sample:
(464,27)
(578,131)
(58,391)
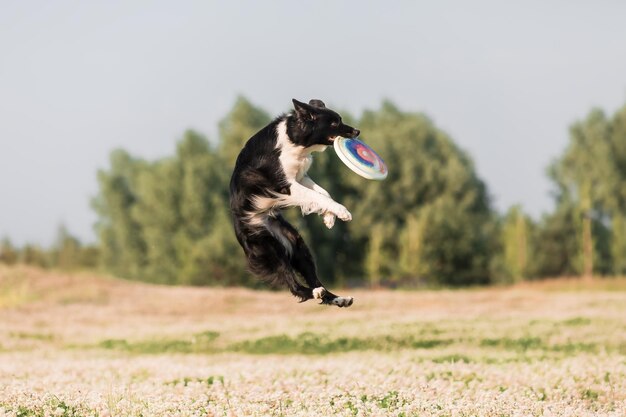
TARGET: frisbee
(360,158)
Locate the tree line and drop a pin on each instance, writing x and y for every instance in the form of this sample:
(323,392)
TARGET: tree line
(67,253)
(431,222)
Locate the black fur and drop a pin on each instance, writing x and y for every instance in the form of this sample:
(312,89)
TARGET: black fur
(259,173)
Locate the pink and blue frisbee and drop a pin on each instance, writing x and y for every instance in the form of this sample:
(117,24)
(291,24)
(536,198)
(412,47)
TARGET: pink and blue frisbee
(360,158)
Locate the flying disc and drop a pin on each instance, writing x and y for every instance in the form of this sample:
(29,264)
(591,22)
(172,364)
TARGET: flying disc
(360,158)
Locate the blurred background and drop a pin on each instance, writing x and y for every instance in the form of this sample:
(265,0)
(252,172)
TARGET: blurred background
(503,127)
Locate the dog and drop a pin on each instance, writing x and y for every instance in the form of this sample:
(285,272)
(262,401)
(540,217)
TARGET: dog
(270,174)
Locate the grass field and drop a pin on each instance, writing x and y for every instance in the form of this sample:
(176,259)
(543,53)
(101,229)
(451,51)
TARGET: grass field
(82,345)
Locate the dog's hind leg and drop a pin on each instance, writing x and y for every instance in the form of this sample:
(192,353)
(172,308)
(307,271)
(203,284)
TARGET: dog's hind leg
(302,261)
(269,259)
(287,275)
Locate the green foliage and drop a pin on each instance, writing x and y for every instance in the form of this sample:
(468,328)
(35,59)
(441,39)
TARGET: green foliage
(156,213)
(67,253)
(243,121)
(523,343)
(316,344)
(430,222)
(8,253)
(389,400)
(432,210)
(36,256)
(61,409)
(557,246)
(589,177)
(453,358)
(198,343)
(515,258)
(577,321)
(618,243)
(515,234)
(123,248)
(304,343)
(187,380)
(167,221)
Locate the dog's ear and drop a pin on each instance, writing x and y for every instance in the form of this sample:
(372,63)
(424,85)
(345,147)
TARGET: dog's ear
(317,103)
(304,111)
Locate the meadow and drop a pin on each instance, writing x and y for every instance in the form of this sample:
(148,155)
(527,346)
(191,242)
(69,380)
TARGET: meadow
(86,345)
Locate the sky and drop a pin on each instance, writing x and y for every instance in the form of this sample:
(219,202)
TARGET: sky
(79,79)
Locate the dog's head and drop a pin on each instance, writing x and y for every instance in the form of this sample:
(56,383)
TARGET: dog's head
(313,124)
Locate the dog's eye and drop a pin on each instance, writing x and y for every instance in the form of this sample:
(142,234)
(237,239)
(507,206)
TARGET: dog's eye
(334,124)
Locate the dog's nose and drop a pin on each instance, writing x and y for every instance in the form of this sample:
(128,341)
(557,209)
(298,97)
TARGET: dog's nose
(355,133)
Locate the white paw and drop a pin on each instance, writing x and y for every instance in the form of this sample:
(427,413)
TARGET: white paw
(343,301)
(329,219)
(319,292)
(343,213)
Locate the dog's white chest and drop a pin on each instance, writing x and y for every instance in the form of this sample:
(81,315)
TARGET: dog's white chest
(295,164)
(303,167)
(295,160)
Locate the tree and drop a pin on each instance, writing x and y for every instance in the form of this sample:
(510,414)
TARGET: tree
(617,194)
(156,213)
(589,177)
(89,256)
(36,256)
(374,260)
(67,250)
(201,186)
(205,243)
(433,191)
(8,254)
(618,243)
(164,221)
(515,240)
(243,121)
(412,239)
(123,249)
(168,220)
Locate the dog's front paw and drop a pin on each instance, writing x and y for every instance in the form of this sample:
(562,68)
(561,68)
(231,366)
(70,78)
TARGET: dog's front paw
(329,219)
(343,213)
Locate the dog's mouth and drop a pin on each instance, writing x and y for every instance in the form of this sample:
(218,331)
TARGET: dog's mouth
(332,139)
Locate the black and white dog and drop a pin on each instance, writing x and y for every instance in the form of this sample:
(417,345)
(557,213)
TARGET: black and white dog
(271,174)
